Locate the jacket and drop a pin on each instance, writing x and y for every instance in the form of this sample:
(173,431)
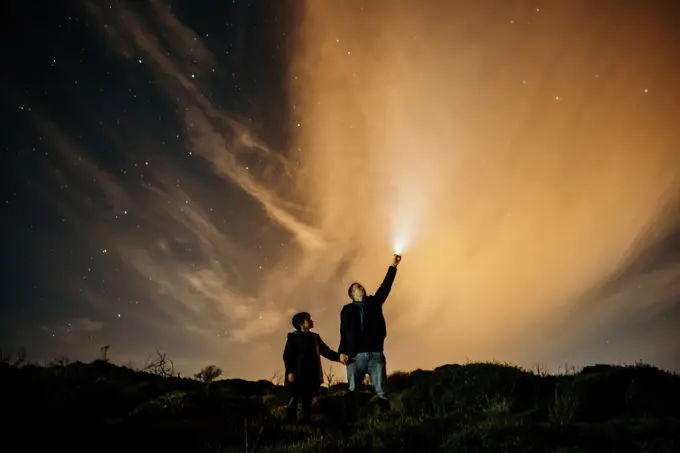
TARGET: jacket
(302,358)
(374,321)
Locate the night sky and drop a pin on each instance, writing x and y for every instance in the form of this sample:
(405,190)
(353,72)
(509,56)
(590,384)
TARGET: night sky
(150,190)
(98,158)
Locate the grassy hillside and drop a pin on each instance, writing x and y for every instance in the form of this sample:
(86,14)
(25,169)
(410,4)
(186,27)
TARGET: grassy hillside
(478,407)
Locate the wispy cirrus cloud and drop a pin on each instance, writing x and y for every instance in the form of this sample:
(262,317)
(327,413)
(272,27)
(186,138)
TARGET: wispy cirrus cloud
(151,212)
(73,330)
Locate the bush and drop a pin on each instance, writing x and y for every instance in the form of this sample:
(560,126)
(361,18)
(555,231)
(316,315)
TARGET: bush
(462,408)
(468,389)
(608,391)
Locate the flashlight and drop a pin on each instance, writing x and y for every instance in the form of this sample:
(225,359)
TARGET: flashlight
(398,247)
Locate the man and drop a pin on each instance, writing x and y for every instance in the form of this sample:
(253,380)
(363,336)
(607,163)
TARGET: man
(362,337)
(302,360)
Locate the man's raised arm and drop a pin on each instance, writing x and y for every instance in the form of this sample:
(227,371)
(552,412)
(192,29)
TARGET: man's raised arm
(386,286)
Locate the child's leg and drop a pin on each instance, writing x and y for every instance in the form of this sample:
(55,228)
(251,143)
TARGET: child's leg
(306,401)
(291,410)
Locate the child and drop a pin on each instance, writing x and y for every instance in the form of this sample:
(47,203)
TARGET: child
(302,360)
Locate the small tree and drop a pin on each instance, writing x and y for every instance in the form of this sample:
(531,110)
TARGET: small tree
(59,365)
(21,357)
(208,375)
(105,353)
(17,360)
(277,378)
(160,365)
(60,361)
(330,378)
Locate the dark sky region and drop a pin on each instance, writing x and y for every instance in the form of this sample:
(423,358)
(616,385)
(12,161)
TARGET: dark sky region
(187,175)
(96,151)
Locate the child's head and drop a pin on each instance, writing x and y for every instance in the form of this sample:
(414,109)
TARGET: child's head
(303,321)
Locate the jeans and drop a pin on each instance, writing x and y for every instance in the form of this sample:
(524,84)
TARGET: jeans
(373,364)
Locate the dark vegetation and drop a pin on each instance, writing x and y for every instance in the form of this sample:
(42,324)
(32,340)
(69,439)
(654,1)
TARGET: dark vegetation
(477,407)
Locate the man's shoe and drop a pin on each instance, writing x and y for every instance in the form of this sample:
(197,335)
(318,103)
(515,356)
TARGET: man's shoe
(384,405)
(351,407)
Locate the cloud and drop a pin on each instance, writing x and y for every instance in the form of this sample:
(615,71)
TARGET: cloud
(86,325)
(513,205)
(73,330)
(217,137)
(206,292)
(520,184)
(189,263)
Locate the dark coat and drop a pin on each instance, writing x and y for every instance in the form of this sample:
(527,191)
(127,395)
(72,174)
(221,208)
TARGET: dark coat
(374,321)
(302,357)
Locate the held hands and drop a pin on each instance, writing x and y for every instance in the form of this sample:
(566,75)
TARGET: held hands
(291,377)
(396,260)
(343,359)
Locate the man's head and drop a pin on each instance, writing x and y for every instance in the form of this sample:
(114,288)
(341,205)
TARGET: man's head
(356,291)
(303,321)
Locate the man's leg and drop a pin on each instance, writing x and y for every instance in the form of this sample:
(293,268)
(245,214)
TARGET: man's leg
(356,370)
(377,370)
(357,367)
